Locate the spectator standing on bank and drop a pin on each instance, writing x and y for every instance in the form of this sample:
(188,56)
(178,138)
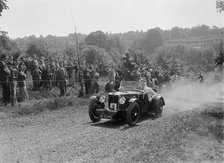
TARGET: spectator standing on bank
(61,78)
(53,72)
(34,61)
(76,72)
(4,78)
(23,94)
(81,80)
(42,67)
(111,75)
(36,75)
(95,87)
(87,79)
(47,78)
(13,83)
(69,69)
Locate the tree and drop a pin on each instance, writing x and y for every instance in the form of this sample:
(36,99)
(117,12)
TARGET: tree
(96,56)
(169,62)
(152,40)
(70,51)
(161,60)
(175,33)
(139,56)
(97,38)
(39,48)
(7,45)
(220,5)
(3,6)
(219,59)
(201,30)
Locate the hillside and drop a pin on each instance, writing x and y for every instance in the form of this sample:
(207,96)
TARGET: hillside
(196,42)
(202,36)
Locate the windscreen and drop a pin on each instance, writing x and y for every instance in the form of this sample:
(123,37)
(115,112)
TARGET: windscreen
(131,85)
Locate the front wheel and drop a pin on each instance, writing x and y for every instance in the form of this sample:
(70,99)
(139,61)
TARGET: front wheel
(133,114)
(93,106)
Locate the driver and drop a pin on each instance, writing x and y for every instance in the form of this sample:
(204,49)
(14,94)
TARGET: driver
(151,93)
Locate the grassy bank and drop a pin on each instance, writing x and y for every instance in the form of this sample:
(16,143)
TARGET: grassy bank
(50,104)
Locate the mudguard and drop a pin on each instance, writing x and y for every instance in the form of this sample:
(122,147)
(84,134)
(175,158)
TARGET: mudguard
(159,98)
(134,99)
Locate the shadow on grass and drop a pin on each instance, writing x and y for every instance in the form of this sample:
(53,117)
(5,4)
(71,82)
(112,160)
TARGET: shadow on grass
(113,124)
(51,105)
(147,116)
(214,121)
(121,123)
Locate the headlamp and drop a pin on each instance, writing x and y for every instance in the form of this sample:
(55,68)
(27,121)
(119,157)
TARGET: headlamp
(122,100)
(102,99)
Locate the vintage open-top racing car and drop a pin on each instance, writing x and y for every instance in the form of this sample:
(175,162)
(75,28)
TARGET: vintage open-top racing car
(128,103)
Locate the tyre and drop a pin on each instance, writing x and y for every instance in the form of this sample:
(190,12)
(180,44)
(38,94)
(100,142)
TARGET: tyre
(158,108)
(93,106)
(133,114)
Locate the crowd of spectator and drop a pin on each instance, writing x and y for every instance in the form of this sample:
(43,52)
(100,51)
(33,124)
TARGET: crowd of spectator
(51,72)
(155,76)
(46,73)
(13,76)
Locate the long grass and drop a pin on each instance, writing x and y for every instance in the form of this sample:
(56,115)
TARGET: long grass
(51,104)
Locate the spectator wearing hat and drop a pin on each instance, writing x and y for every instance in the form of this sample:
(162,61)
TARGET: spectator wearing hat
(4,79)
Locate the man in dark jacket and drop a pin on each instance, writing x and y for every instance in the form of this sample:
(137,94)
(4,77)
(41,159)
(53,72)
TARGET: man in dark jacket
(4,79)
(36,75)
(87,79)
(61,78)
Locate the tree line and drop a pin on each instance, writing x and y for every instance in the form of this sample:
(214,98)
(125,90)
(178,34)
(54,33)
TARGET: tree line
(107,49)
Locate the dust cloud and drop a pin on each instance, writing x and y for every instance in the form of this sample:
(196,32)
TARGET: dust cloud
(188,95)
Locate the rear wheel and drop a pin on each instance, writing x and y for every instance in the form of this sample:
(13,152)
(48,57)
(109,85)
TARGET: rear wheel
(158,108)
(133,114)
(93,106)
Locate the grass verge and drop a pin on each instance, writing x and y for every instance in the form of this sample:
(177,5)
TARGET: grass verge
(50,104)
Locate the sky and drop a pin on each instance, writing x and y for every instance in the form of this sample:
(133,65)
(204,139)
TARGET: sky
(59,17)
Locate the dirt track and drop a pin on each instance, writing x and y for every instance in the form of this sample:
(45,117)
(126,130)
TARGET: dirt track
(67,135)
